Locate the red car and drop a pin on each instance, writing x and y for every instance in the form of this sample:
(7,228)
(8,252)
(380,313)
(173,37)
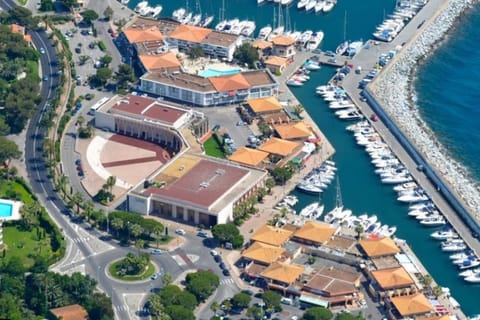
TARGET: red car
(374,117)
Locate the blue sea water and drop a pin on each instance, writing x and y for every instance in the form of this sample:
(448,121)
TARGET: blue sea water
(447,86)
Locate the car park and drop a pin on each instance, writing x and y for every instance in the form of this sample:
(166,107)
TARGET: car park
(156,251)
(180,232)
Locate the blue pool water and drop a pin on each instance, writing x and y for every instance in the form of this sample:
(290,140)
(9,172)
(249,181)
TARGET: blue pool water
(5,210)
(207,73)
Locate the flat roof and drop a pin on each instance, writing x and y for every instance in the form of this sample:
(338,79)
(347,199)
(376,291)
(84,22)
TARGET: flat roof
(220,39)
(203,184)
(181,80)
(333,284)
(147,108)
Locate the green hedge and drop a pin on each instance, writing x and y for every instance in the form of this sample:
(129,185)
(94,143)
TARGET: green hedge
(101,45)
(63,122)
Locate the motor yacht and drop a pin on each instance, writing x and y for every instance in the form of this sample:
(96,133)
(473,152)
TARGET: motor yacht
(196,19)
(475,278)
(433,221)
(461,255)
(416,195)
(221,25)
(329,4)
(140,6)
(310,5)
(452,247)
(291,200)
(179,14)
(301,4)
(264,32)
(444,234)
(309,188)
(469,272)
(207,20)
(405,186)
(276,32)
(308,210)
(319,6)
(248,28)
(401,178)
(467,264)
(314,41)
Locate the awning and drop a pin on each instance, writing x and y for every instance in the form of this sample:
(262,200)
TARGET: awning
(315,301)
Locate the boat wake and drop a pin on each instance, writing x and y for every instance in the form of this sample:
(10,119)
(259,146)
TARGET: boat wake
(399,101)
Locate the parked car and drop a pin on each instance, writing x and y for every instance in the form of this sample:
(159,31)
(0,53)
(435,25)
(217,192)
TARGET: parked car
(217,259)
(226,272)
(222,265)
(180,231)
(213,253)
(202,234)
(154,276)
(156,251)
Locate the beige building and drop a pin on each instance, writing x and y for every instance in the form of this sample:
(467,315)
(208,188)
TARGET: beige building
(283,46)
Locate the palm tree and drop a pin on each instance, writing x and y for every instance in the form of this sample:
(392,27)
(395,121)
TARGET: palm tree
(135,230)
(117,224)
(139,244)
(77,200)
(80,121)
(359,230)
(214,307)
(270,183)
(88,208)
(111,183)
(157,231)
(167,279)
(62,183)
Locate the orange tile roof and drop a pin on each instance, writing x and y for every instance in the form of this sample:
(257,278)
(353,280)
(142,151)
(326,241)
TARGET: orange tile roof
(190,33)
(230,82)
(271,235)
(264,104)
(294,130)
(391,278)
(248,156)
(411,305)
(262,252)
(261,44)
(138,34)
(276,61)
(315,232)
(283,272)
(156,62)
(17,28)
(27,38)
(444,317)
(283,41)
(379,247)
(279,146)
(71,312)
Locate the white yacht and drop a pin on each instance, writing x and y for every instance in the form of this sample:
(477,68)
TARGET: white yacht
(291,200)
(329,4)
(462,255)
(179,14)
(475,278)
(319,6)
(314,40)
(301,4)
(206,21)
(187,18)
(310,5)
(140,6)
(294,83)
(467,264)
(469,272)
(433,221)
(260,1)
(405,186)
(304,38)
(452,247)
(154,12)
(221,25)
(248,28)
(444,234)
(286,2)
(264,32)
(311,65)
(276,32)
(308,210)
(397,179)
(309,188)
(196,19)
(237,28)
(417,195)
(318,212)
(230,25)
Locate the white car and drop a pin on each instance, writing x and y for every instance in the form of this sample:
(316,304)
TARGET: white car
(180,231)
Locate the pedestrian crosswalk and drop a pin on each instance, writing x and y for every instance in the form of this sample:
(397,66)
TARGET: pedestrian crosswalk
(81,239)
(122,307)
(226,281)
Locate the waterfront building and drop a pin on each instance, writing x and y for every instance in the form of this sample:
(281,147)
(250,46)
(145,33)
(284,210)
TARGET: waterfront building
(250,157)
(272,235)
(281,151)
(410,306)
(281,276)
(391,281)
(262,253)
(294,131)
(264,105)
(197,190)
(213,91)
(283,46)
(275,64)
(314,233)
(264,48)
(377,248)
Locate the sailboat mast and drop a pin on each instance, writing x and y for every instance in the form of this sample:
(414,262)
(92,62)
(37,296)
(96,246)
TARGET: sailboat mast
(280,15)
(338,200)
(345,27)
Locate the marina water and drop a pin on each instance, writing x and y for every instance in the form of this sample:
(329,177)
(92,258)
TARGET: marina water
(447,85)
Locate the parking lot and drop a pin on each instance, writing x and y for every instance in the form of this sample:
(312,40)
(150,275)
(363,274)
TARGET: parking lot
(228,119)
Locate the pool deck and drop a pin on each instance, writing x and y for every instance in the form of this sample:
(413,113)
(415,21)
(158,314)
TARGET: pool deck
(15,213)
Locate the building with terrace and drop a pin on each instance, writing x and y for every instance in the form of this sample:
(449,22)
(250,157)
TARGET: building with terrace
(377,248)
(283,46)
(391,281)
(410,306)
(283,276)
(213,91)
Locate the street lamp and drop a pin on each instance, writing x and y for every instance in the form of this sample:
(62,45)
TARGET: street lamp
(108,222)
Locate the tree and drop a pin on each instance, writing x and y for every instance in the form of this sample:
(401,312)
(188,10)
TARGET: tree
(202,284)
(270,183)
(246,54)
(241,300)
(427,280)
(169,294)
(77,200)
(177,312)
(359,231)
(225,232)
(4,128)
(139,244)
(255,312)
(106,59)
(437,291)
(89,16)
(167,279)
(196,52)
(134,230)
(83,59)
(156,308)
(108,13)
(214,307)
(124,75)
(101,76)
(69,3)
(117,224)
(348,316)
(187,300)
(8,150)
(317,313)
(272,300)
(111,181)
(100,307)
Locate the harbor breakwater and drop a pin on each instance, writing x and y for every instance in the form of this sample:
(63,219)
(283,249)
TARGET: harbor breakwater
(394,90)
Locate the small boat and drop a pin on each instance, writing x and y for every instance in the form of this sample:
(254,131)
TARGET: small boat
(469,272)
(342,47)
(452,247)
(461,261)
(329,4)
(310,5)
(417,195)
(397,179)
(140,6)
(433,221)
(422,205)
(179,14)
(207,21)
(318,212)
(196,19)
(260,1)
(276,32)
(467,264)
(309,188)
(314,41)
(461,255)
(294,83)
(311,65)
(475,278)
(154,12)
(221,25)
(124,1)
(405,186)
(264,32)
(301,4)
(308,210)
(291,200)
(319,6)
(444,234)
(248,28)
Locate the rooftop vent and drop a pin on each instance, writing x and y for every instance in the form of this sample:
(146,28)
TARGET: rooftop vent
(204,185)
(220,171)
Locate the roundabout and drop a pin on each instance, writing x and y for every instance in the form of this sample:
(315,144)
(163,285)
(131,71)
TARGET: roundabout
(127,270)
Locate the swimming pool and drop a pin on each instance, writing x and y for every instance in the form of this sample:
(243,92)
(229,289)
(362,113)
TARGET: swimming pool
(6,210)
(207,73)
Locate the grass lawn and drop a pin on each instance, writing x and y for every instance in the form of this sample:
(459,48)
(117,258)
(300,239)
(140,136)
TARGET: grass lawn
(32,68)
(212,148)
(7,187)
(25,245)
(22,2)
(145,275)
(162,241)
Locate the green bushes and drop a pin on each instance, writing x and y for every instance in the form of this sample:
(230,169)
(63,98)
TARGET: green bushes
(101,45)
